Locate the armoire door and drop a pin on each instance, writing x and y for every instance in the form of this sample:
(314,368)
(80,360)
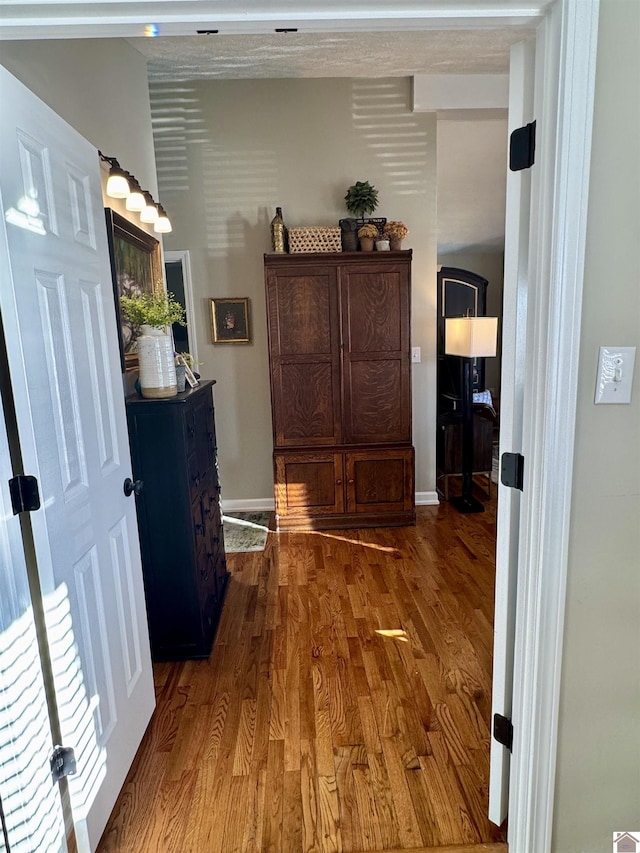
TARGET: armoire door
(379,481)
(302,309)
(58,312)
(310,483)
(375,353)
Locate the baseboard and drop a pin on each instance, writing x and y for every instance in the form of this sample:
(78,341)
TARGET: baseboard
(268,504)
(249,505)
(427,499)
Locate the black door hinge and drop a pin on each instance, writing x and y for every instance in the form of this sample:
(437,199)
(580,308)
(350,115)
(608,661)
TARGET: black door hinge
(522,148)
(25,496)
(512,470)
(503,730)
(63,763)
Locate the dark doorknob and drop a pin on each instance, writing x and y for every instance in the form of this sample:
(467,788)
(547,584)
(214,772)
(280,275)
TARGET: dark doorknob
(133,487)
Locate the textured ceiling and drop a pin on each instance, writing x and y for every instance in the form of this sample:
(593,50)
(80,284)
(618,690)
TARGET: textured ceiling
(354,54)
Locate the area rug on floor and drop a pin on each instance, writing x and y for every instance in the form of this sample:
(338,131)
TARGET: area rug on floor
(245,531)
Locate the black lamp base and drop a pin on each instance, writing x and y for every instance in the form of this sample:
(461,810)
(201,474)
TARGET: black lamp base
(467,504)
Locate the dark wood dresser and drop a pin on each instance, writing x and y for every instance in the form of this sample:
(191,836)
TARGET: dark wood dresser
(339,353)
(173,452)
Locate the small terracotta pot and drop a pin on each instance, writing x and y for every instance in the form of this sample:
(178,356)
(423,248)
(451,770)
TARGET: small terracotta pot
(395,243)
(366,244)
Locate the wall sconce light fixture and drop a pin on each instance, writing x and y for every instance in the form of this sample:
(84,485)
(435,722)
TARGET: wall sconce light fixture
(122,184)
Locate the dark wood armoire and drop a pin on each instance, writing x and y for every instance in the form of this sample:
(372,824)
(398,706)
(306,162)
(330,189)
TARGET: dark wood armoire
(339,353)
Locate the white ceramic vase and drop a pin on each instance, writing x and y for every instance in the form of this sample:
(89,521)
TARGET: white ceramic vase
(156,361)
(382,245)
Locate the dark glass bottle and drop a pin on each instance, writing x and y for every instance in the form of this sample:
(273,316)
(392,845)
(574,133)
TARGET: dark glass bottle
(278,232)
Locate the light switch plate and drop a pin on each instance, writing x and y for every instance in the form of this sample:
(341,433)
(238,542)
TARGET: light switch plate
(615,375)
(416,355)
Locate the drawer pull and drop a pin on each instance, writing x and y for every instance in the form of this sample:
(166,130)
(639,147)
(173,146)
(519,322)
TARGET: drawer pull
(338,482)
(351,481)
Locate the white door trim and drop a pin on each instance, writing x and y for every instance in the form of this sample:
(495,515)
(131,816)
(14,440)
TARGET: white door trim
(553,350)
(565,96)
(184,258)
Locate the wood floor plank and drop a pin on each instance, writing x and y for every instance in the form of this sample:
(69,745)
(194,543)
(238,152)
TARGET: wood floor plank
(272,833)
(456,848)
(292,812)
(345,706)
(346,759)
(408,825)
(367,809)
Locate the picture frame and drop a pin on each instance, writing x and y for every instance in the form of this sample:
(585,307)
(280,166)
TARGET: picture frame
(136,267)
(189,375)
(230,321)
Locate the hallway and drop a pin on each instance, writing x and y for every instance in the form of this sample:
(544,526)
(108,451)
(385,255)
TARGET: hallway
(345,706)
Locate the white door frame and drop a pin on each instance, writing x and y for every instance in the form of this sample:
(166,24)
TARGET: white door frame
(184,258)
(565,85)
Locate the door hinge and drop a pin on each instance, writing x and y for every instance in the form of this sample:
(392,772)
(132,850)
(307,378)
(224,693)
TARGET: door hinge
(522,148)
(512,470)
(25,495)
(503,730)
(63,763)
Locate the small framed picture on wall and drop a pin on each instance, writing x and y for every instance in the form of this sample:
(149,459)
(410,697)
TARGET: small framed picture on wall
(230,321)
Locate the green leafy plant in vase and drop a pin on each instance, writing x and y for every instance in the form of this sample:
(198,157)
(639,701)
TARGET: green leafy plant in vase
(159,310)
(361,199)
(153,314)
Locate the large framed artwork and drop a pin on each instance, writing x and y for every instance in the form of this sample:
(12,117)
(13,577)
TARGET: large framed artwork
(136,267)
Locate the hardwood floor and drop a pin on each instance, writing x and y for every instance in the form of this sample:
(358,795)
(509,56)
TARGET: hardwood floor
(345,706)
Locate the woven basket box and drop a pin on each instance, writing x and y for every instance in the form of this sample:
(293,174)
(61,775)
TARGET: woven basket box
(315,239)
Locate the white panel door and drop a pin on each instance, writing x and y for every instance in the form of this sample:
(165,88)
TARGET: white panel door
(30,803)
(62,342)
(512,387)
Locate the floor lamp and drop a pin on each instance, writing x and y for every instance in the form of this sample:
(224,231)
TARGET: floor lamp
(469,338)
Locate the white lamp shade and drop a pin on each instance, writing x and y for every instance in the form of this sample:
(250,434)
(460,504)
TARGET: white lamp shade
(136,202)
(471,337)
(163,225)
(149,214)
(117,186)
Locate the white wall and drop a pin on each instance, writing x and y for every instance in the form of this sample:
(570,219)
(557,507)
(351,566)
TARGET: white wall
(100,87)
(598,772)
(472,181)
(227,153)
